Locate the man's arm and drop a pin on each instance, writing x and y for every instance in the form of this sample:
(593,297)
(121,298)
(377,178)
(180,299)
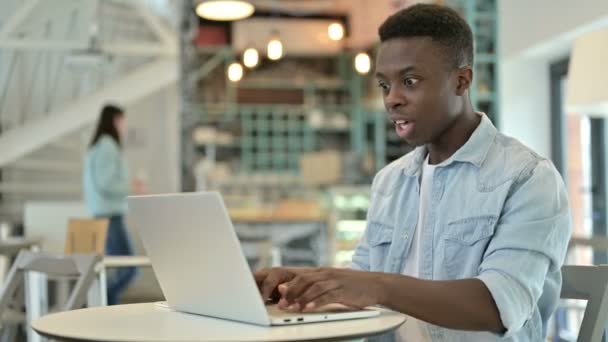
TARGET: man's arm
(458,304)
(529,244)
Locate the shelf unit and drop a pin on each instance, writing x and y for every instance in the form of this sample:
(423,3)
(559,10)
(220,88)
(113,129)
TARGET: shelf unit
(483,17)
(272,137)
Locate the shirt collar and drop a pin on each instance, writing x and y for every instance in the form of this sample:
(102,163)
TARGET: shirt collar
(474,151)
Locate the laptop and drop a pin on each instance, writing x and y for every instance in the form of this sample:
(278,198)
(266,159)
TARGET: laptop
(199,264)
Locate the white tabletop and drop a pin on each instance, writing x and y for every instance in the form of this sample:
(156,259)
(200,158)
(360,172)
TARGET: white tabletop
(151,323)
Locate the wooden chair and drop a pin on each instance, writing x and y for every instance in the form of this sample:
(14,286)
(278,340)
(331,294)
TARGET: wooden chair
(86,236)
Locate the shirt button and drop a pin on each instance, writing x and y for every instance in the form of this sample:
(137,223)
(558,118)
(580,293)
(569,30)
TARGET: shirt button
(405,236)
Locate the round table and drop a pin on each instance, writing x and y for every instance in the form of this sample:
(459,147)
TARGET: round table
(149,322)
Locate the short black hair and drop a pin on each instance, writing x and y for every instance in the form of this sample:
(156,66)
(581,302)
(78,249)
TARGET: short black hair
(440,23)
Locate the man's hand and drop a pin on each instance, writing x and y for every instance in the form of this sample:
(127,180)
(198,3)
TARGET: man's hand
(269,279)
(311,290)
(464,304)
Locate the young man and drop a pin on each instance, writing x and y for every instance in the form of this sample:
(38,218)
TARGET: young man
(467,233)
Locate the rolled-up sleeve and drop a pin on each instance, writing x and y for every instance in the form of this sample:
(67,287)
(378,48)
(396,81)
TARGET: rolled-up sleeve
(530,241)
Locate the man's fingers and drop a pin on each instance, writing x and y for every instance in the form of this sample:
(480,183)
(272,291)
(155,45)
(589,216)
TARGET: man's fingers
(317,290)
(268,286)
(300,284)
(329,297)
(283,288)
(273,280)
(283,304)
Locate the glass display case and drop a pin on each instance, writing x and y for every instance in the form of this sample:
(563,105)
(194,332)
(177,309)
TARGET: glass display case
(348,209)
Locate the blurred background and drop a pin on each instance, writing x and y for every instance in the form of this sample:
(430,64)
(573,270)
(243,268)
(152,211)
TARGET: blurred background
(274,104)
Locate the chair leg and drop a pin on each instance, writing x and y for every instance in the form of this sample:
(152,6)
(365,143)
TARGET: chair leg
(78,298)
(9,333)
(97,293)
(36,299)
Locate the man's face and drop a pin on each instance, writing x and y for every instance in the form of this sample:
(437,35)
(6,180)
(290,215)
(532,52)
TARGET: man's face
(422,94)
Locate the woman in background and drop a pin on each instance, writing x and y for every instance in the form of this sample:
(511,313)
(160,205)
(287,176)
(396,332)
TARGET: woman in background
(106,185)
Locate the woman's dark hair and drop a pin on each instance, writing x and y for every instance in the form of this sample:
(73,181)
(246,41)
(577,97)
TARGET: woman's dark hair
(105,125)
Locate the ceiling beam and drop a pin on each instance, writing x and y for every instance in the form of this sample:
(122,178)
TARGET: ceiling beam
(17,18)
(39,44)
(139,49)
(164,33)
(120,49)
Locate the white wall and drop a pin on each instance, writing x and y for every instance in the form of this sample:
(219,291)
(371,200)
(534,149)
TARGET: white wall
(525,106)
(153,142)
(525,24)
(533,34)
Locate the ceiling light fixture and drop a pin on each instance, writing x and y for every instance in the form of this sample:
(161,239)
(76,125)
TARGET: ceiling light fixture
(224,10)
(335,31)
(363,63)
(251,58)
(235,72)
(275,47)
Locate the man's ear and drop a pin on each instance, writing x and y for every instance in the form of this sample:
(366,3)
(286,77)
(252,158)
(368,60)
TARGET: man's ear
(464,79)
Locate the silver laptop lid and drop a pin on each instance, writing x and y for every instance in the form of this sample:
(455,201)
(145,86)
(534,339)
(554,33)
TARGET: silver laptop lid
(196,255)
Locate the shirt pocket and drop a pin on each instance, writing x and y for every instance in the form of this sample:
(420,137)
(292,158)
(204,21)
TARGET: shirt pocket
(380,239)
(465,242)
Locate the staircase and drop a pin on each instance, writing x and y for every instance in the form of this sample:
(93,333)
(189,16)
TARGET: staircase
(51,173)
(60,61)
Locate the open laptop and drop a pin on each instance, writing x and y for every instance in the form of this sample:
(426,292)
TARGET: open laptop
(197,258)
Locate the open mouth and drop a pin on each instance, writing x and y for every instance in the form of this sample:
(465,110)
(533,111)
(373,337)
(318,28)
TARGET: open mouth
(404,128)
(401,123)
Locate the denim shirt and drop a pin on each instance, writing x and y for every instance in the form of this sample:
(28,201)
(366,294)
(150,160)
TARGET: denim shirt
(499,213)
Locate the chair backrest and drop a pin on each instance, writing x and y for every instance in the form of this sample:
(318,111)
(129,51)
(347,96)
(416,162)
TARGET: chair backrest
(589,283)
(86,236)
(80,266)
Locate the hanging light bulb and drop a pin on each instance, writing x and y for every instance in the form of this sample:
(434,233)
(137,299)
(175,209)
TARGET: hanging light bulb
(251,58)
(335,31)
(363,63)
(235,72)
(224,10)
(275,47)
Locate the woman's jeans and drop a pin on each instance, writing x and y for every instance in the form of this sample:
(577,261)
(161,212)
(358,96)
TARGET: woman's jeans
(118,243)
